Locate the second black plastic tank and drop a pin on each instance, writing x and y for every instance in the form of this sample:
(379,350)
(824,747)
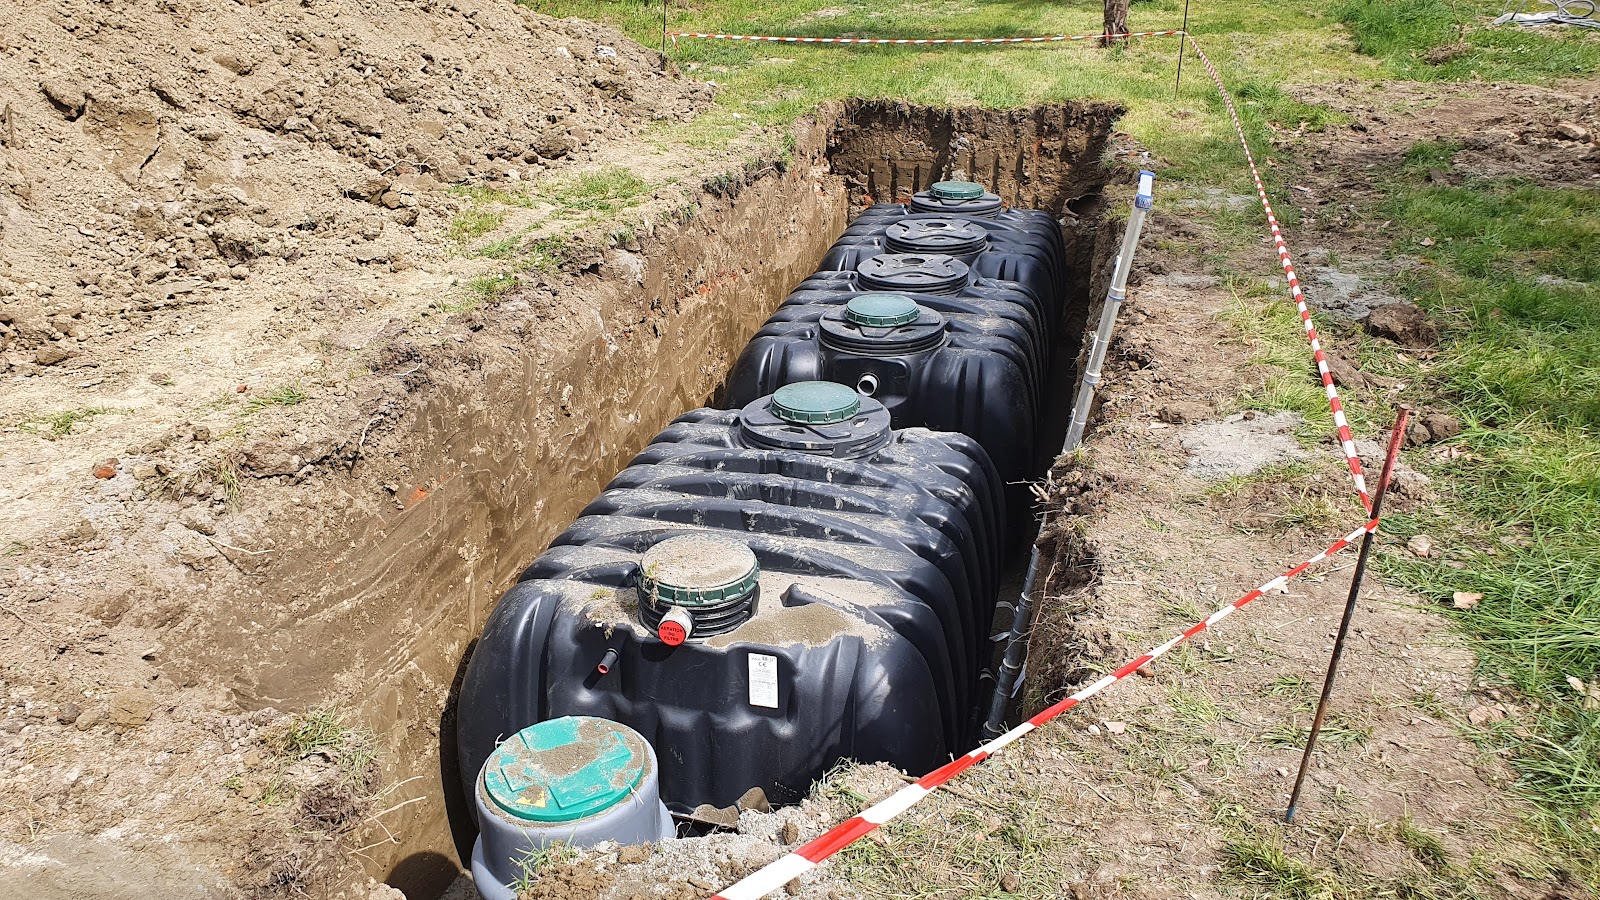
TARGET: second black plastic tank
(945,363)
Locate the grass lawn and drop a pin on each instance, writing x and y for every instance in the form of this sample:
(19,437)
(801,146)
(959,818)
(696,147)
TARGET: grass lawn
(1512,271)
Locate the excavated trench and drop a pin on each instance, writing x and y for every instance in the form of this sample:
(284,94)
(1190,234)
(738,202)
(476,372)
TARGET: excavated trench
(388,612)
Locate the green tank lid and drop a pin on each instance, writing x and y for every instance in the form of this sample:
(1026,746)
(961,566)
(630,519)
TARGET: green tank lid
(698,570)
(881,310)
(957,190)
(815,403)
(565,769)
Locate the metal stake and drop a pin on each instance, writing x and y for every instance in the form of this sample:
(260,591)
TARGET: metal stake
(1021,622)
(1396,435)
(1182,40)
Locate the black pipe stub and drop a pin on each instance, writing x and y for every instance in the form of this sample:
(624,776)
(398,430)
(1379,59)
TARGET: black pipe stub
(882,325)
(936,234)
(965,197)
(816,417)
(697,585)
(913,273)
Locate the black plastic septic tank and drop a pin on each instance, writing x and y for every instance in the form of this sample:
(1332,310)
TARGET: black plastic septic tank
(934,362)
(935,274)
(1008,228)
(989,249)
(759,597)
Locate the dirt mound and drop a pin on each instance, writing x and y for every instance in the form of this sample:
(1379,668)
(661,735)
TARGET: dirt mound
(156,153)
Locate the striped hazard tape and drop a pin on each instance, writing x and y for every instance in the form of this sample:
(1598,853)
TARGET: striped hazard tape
(780,872)
(1346,443)
(1049,39)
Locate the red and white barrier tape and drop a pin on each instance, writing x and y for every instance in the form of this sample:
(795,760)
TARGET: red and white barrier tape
(776,874)
(1346,442)
(1051,39)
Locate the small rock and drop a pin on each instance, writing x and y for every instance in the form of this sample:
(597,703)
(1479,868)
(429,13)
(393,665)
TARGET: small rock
(106,468)
(68,713)
(1145,671)
(49,355)
(1183,413)
(196,518)
(1417,434)
(1441,427)
(253,758)
(1093,730)
(1116,727)
(1404,324)
(90,719)
(1283,772)
(1572,131)
(131,707)
(789,833)
(633,853)
(1010,883)
(1483,714)
(66,96)
(12,726)
(1344,372)
(1420,545)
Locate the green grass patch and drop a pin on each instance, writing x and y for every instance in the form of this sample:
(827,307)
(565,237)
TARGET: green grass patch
(60,423)
(322,731)
(474,222)
(288,395)
(604,190)
(1452,40)
(1511,271)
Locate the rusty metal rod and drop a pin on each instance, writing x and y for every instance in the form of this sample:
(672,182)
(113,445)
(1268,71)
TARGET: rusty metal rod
(1396,437)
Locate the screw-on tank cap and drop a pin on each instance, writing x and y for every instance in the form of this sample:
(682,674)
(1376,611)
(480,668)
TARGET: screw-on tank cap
(815,402)
(881,310)
(565,769)
(698,570)
(957,190)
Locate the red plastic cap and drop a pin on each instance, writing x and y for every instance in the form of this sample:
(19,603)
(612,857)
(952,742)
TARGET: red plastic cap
(671,633)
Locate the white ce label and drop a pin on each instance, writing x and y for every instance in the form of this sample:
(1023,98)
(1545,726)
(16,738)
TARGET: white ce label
(763,680)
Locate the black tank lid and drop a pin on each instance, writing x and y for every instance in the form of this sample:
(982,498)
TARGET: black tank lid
(936,234)
(965,197)
(816,417)
(882,325)
(913,273)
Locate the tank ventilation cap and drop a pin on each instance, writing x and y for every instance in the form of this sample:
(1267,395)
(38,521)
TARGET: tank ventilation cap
(565,769)
(815,403)
(957,190)
(882,310)
(698,570)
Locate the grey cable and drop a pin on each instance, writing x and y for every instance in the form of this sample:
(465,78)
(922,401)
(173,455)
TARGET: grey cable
(1561,12)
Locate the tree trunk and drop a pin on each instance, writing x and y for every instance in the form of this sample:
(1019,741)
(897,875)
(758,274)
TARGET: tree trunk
(1116,22)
